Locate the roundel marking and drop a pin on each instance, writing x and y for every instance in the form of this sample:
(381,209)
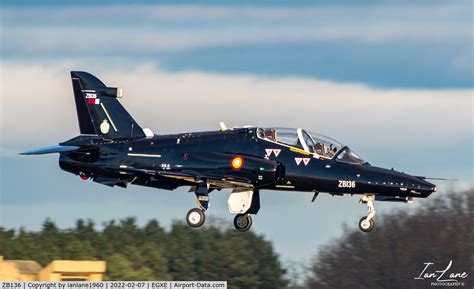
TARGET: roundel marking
(237,163)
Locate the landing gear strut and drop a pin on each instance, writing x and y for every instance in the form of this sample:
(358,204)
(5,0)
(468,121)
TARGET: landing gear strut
(366,224)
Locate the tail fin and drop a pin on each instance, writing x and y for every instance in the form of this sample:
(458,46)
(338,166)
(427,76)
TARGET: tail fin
(98,110)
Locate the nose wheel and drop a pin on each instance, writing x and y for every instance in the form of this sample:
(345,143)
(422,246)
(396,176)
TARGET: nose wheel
(367,224)
(195,217)
(242,222)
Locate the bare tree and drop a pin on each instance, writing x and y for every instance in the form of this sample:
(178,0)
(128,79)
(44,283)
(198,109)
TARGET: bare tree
(395,253)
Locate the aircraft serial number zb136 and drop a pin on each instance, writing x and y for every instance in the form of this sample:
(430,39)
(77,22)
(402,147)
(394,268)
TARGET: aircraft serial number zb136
(112,149)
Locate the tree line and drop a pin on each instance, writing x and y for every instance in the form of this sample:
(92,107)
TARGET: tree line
(132,252)
(438,230)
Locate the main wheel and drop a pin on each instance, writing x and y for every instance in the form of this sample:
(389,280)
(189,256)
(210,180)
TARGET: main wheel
(365,226)
(195,217)
(242,222)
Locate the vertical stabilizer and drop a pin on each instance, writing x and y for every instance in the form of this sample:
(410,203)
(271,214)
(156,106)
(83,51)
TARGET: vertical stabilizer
(99,111)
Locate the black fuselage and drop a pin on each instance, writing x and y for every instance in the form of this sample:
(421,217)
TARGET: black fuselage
(114,150)
(151,162)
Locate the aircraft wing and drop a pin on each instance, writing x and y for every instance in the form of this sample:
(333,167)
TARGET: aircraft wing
(225,170)
(219,170)
(227,181)
(191,177)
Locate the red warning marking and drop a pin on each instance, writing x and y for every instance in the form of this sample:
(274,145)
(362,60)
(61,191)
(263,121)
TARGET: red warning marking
(306,161)
(276,152)
(298,161)
(268,152)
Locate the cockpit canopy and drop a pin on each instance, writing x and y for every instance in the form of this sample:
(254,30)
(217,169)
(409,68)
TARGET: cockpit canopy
(314,143)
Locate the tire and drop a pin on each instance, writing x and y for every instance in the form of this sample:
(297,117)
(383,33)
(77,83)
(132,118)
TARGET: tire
(195,217)
(242,222)
(364,227)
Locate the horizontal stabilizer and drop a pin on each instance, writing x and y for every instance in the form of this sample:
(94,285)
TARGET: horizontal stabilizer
(51,150)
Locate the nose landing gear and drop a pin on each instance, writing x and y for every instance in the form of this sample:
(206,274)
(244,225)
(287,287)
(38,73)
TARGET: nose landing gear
(366,224)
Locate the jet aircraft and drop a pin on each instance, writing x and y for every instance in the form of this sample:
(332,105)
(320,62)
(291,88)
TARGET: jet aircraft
(112,149)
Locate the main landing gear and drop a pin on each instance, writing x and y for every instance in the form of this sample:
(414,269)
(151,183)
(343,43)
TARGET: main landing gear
(196,216)
(242,222)
(242,202)
(366,224)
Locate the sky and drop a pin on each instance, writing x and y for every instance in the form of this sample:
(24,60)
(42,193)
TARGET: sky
(393,80)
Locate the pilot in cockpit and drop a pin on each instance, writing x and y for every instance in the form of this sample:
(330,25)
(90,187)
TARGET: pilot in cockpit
(270,134)
(332,151)
(319,148)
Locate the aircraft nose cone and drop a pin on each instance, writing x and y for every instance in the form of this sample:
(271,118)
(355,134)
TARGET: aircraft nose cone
(422,186)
